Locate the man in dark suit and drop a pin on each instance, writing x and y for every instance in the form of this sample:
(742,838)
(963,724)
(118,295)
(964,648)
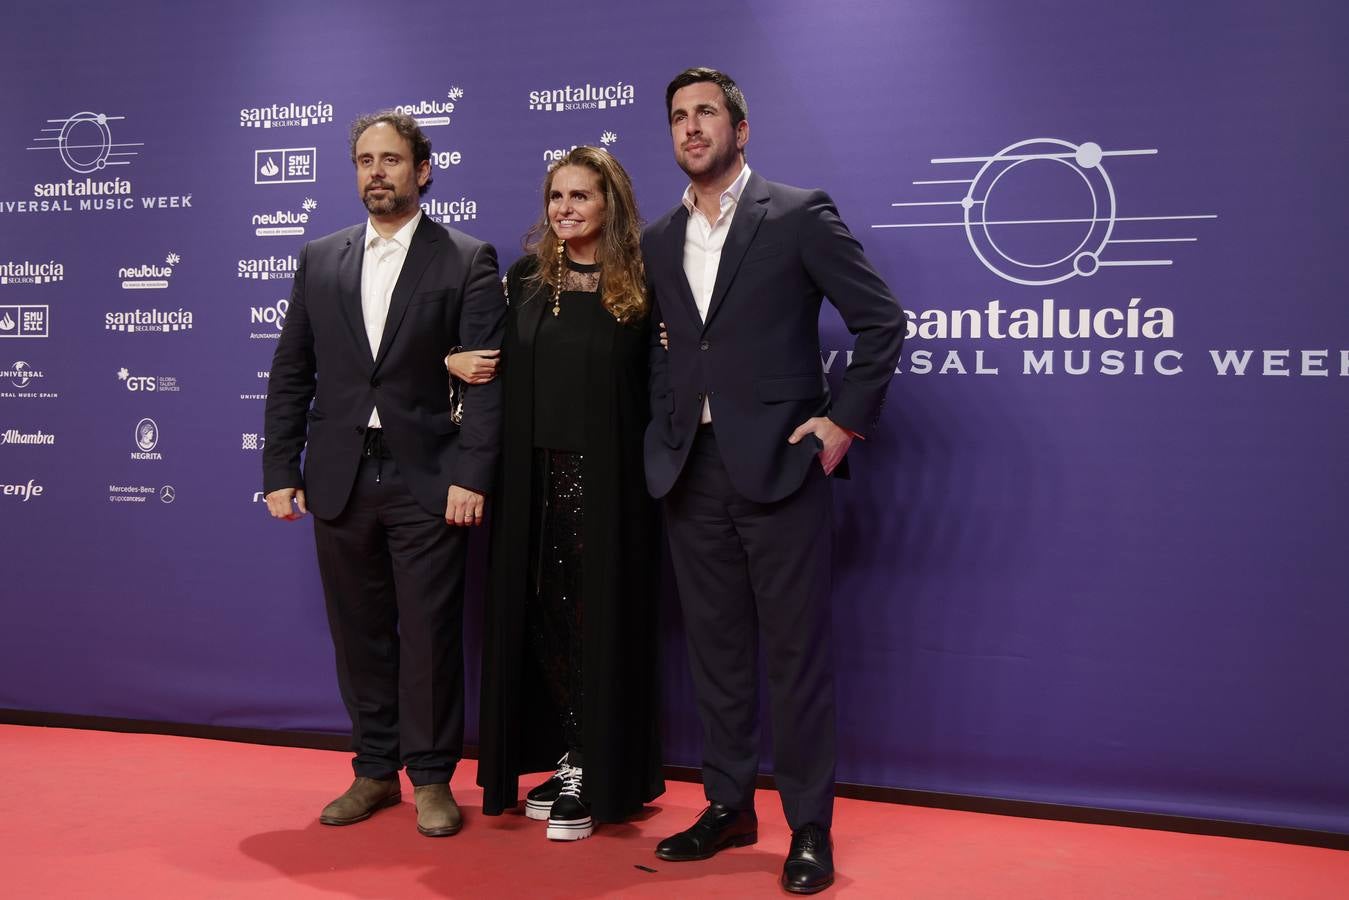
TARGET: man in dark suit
(389,475)
(743,435)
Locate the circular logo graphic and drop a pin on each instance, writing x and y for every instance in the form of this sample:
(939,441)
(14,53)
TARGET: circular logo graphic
(167,494)
(1041,211)
(21,377)
(85,142)
(147,435)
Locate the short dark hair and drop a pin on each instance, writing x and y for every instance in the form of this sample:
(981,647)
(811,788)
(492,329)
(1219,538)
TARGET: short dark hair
(406,126)
(735,98)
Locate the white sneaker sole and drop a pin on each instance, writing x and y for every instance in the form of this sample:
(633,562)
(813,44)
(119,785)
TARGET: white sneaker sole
(538,809)
(577,830)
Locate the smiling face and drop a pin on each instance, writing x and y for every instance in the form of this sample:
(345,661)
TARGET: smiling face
(706,145)
(386,176)
(576,210)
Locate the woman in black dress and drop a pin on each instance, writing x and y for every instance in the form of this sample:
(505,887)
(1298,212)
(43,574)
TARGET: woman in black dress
(569,651)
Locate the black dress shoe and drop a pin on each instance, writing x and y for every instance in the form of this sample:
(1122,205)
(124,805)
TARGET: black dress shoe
(717,828)
(810,863)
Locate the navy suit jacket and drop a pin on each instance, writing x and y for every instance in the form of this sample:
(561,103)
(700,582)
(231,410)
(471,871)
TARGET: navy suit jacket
(325,381)
(757,355)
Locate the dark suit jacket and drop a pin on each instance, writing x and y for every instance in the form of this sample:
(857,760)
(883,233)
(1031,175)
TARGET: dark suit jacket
(758,354)
(448,294)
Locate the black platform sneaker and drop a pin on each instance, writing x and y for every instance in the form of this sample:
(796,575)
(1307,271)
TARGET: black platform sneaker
(539,801)
(569,819)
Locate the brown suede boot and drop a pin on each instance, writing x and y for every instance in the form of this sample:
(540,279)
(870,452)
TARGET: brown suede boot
(362,799)
(437,813)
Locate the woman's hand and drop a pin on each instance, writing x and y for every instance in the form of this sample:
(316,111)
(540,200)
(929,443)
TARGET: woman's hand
(664,337)
(473,366)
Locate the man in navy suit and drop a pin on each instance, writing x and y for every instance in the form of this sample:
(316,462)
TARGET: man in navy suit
(358,383)
(743,436)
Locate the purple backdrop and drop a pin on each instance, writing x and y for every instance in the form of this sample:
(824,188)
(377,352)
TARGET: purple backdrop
(1125,587)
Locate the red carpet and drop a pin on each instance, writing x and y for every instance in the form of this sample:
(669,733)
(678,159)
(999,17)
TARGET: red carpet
(93,814)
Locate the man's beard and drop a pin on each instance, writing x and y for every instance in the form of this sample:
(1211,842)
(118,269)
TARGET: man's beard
(722,161)
(392,203)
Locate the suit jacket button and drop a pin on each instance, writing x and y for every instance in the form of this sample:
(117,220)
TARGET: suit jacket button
(374,384)
(360,429)
(703,345)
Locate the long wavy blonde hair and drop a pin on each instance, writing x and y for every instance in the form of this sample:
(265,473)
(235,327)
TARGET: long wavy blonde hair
(622,275)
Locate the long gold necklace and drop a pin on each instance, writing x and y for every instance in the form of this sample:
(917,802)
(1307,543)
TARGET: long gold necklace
(557,283)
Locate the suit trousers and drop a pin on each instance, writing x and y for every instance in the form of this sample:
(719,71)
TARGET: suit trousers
(393,581)
(749,574)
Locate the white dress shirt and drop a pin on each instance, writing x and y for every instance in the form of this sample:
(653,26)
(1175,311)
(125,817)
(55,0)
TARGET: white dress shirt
(379,273)
(703,241)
